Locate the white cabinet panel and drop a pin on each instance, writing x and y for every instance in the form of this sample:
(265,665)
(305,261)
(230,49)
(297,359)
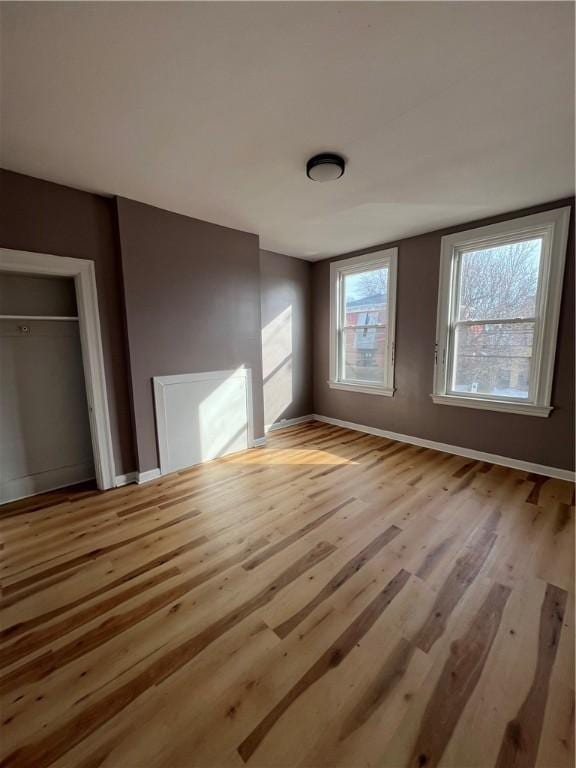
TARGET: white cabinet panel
(201,416)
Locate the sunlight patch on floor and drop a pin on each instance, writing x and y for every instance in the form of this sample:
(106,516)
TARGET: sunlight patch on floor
(289,456)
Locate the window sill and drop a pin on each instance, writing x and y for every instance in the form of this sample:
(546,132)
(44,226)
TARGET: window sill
(526,409)
(363,388)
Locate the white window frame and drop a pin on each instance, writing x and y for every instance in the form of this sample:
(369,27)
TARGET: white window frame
(552,226)
(338,270)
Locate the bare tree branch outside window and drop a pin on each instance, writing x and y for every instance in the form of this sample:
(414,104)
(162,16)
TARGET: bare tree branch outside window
(497,287)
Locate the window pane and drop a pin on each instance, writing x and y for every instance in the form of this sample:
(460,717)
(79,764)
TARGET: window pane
(493,359)
(364,354)
(366,297)
(500,282)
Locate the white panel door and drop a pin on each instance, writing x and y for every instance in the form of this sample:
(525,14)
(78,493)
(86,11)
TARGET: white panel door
(201,416)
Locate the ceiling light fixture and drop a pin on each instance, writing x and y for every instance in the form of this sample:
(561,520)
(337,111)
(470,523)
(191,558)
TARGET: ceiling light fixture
(325,167)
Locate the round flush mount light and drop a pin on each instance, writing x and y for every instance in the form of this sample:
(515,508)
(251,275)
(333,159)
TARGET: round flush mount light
(325,167)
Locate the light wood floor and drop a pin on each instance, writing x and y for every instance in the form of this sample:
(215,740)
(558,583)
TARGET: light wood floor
(335,599)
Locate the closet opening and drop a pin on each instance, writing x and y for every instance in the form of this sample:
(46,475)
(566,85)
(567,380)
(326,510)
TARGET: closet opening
(54,424)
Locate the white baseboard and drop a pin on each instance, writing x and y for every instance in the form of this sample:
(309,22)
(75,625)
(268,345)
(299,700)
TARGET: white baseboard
(145,477)
(154,474)
(137,477)
(52,480)
(130,477)
(469,453)
(289,422)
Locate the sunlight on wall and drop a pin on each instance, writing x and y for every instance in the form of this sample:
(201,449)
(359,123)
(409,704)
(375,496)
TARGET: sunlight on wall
(222,418)
(277,365)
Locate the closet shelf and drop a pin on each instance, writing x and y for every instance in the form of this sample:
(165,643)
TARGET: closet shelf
(37,317)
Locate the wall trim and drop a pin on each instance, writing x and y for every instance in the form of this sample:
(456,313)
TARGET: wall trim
(154,474)
(288,422)
(130,477)
(504,406)
(366,390)
(146,477)
(469,453)
(44,482)
(84,274)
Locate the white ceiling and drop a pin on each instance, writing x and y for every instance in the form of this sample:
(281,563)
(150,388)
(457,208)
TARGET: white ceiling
(447,112)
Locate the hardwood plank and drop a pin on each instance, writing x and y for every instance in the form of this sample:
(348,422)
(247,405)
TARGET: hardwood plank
(112,626)
(522,735)
(92,554)
(331,659)
(47,749)
(241,610)
(462,575)
(273,549)
(457,681)
(345,573)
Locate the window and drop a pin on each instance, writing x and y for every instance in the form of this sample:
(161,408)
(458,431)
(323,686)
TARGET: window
(363,311)
(498,309)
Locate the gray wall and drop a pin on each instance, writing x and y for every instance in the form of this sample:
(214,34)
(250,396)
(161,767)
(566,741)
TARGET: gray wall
(31,295)
(286,304)
(44,426)
(411,411)
(200,297)
(192,296)
(48,218)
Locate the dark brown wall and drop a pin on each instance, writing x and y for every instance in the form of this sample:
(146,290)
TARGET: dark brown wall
(286,305)
(192,295)
(411,411)
(48,218)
